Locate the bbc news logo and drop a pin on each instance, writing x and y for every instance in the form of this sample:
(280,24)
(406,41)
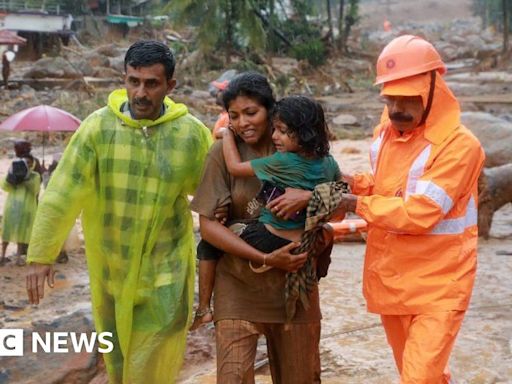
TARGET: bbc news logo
(12,342)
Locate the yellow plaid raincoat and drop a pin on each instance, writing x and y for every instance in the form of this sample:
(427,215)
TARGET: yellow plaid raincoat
(130,179)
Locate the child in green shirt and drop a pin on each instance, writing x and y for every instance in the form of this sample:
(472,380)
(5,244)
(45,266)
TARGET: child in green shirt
(301,161)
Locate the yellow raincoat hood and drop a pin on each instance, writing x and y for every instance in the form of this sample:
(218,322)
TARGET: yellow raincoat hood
(172,110)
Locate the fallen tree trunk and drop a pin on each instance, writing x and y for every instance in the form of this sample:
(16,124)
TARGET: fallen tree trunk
(494,191)
(494,133)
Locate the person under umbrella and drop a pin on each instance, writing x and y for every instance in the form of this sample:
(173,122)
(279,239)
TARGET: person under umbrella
(23,148)
(22,185)
(7,57)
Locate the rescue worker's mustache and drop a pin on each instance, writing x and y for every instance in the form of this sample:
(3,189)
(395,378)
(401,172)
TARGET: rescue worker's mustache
(142,102)
(401,117)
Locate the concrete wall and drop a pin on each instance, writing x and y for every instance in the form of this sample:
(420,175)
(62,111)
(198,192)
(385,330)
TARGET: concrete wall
(36,22)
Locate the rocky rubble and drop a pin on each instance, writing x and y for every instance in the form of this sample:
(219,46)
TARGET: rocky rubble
(457,40)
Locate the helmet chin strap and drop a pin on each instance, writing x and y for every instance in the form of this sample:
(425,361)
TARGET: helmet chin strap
(430,97)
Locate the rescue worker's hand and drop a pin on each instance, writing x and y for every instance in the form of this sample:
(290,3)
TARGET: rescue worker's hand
(292,202)
(35,279)
(221,214)
(283,259)
(348,202)
(338,215)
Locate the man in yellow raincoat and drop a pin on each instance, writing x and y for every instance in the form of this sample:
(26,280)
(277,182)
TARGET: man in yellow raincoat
(129,169)
(420,202)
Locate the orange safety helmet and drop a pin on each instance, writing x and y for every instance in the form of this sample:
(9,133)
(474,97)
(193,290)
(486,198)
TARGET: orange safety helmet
(407,56)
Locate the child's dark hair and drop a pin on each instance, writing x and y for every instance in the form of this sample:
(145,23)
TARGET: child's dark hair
(305,120)
(145,53)
(252,85)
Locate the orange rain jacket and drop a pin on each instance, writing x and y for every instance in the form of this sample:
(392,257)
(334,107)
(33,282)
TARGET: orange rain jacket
(421,205)
(222,122)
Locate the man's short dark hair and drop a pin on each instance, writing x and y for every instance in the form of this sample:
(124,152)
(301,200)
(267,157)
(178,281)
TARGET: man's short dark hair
(145,53)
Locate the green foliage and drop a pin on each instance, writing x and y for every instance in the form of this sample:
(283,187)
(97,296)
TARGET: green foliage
(303,34)
(247,65)
(302,8)
(282,83)
(313,51)
(362,81)
(353,10)
(491,12)
(222,24)
(253,25)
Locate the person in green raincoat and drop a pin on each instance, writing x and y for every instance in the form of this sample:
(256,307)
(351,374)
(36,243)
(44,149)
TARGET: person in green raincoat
(19,211)
(129,169)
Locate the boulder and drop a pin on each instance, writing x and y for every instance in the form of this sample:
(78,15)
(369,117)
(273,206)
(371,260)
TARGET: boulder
(85,67)
(117,63)
(64,368)
(332,104)
(97,60)
(52,67)
(110,50)
(345,119)
(201,95)
(106,73)
(494,133)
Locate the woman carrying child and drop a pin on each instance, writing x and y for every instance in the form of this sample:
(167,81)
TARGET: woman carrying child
(248,304)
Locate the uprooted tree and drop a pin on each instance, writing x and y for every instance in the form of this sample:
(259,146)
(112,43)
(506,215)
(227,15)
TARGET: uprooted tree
(494,191)
(495,182)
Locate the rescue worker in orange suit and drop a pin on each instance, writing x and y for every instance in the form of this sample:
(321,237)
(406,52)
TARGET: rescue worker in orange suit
(420,202)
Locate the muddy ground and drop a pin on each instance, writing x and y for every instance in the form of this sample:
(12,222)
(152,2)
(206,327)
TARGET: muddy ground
(353,346)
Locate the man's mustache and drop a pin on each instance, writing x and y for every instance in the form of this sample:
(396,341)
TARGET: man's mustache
(143,101)
(401,117)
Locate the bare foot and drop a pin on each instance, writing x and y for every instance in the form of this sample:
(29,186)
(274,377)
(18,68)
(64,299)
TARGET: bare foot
(202,317)
(5,260)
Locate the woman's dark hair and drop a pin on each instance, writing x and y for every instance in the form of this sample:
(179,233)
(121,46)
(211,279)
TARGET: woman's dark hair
(145,53)
(252,85)
(305,120)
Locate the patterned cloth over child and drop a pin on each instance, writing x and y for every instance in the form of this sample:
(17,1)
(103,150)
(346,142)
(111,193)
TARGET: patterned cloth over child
(322,204)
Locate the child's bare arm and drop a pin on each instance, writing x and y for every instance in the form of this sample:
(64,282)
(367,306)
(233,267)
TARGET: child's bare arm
(232,157)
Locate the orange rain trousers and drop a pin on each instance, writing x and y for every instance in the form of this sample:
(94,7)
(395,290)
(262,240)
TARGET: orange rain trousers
(422,344)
